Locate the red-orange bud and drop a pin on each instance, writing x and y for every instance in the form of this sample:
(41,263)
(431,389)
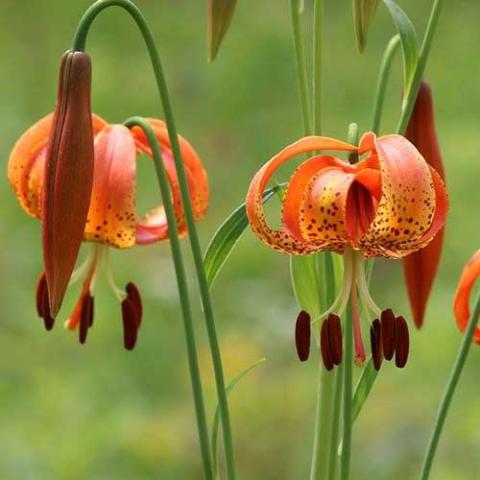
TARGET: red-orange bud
(421,267)
(68,175)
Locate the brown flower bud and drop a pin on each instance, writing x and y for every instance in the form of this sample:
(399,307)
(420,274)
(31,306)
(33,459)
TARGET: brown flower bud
(68,175)
(421,267)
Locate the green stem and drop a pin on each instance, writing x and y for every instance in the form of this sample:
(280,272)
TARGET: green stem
(301,66)
(411,95)
(383,75)
(317,66)
(337,405)
(79,44)
(323,423)
(182,291)
(449,391)
(347,384)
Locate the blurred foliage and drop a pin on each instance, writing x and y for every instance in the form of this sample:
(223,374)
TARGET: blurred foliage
(98,412)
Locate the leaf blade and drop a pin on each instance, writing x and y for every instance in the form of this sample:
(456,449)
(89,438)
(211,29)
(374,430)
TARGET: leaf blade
(408,38)
(227,236)
(220,15)
(363,389)
(216,418)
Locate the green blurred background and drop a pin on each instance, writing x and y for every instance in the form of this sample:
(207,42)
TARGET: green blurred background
(99,412)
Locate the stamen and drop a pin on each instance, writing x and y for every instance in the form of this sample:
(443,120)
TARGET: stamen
(42,302)
(341,301)
(402,346)
(133,294)
(86,316)
(117,291)
(325,345)
(302,335)
(40,292)
(388,333)
(360,354)
(376,344)
(363,291)
(130,324)
(335,338)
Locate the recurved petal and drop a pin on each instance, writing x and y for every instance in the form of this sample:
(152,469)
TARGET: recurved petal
(111,216)
(461,305)
(405,212)
(283,240)
(153,227)
(313,205)
(195,172)
(26,165)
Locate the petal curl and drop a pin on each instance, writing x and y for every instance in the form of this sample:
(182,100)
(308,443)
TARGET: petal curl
(27,163)
(284,240)
(404,216)
(111,217)
(461,305)
(153,227)
(196,175)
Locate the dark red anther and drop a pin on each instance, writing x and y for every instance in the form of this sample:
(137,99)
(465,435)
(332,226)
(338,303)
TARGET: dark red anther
(86,316)
(376,344)
(40,292)
(402,347)
(133,295)
(335,338)
(325,345)
(388,333)
(130,324)
(42,302)
(302,335)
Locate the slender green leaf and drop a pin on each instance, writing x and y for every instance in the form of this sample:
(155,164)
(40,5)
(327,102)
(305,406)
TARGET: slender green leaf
(220,15)
(306,283)
(216,418)
(363,13)
(363,389)
(408,37)
(226,237)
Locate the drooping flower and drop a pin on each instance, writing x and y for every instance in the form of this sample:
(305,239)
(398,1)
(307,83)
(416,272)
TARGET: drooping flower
(421,267)
(389,204)
(112,220)
(461,305)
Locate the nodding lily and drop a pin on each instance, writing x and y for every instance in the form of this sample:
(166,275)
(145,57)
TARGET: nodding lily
(389,204)
(112,220)
(461,305)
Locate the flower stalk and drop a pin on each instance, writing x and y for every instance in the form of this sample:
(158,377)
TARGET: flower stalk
(79,44)
(449,391)
(183,293)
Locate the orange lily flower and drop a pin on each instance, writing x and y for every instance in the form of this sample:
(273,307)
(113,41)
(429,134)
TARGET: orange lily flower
(112,220)
(389,204)
(461,305)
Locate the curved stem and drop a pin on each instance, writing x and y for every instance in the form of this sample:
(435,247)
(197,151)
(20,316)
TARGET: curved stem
(337,406)
(347,382)
(301,66)
(411,95)
(317,66)
(383,75)
(449,391)
(79,43)
(182,291)
(323,423)
(325,395)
